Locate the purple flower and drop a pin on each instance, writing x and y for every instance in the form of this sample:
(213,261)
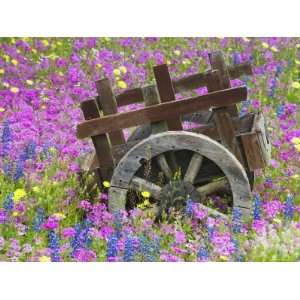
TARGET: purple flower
(179,237)
(85,255)
(68,232)
(51,223)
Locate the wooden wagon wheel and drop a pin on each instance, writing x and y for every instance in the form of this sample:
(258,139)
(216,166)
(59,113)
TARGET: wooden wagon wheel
(127,176)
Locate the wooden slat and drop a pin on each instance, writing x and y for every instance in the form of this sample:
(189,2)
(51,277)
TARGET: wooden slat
(166,93)
(108,104)
(241,125)
(217,62)
(130,96)
(101,142)
(237,71)
(160,112)
(252,150)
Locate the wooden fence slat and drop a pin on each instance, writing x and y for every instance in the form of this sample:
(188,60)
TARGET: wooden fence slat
(160,112)
(166,93)
(101,142)
(108,104)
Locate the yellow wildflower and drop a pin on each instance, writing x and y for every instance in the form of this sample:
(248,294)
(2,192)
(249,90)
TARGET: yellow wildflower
(276,220)
(297,147)
(99,66)
(122,84)
(19,194)
(45,258)
(295,176)
(15,214)
(29,82)
(33,50)
(59,216)
(6,57)
(274,49)
(2,71)
(296,85)
(297,62)
(117,72)
(177,52)
(14,90)
(36,189)
(146,194)
(106,184)
(45,43)
(265,45)
(186,61)
(224,258)
(295,140)
(14,62)
(2,109)
(59,43)
(168,62)
(123,69)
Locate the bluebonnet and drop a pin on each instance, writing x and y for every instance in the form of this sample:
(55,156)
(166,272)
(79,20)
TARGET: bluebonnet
(6,138)
(236,220)
(38,220)
(75,242)
(280,110)
(30,150)
(112,246)
(53,245)
(149,248)
(129,250)
(203,254)
(236,58)
(272,88)
(85,238)
(7,168)
(289,207)
(257,207)
(279,70)
(19,172)
(8,203)
(189,208)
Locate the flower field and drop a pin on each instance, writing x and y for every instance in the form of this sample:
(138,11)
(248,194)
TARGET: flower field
(47,215)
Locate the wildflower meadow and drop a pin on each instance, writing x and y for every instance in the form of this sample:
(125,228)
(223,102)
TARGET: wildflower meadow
(47,214)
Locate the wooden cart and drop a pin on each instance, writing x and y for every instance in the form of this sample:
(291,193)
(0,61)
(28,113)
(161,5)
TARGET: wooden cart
(220,154)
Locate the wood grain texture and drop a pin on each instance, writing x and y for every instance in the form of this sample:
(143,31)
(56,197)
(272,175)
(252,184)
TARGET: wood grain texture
(108,104)
(201,144)
(166,93)
(160,112)
(100,142)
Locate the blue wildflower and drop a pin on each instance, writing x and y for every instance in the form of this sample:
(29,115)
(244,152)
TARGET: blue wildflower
(118,223)
(257,207)
(38,220)
(236,58)
(237,252)
(112,247)
(75,242)
(289,207)
(210,232)
(189,208)
(245,107)
(30,150)
(19,168)
(236,220)
(148,248)
(203,254)
(129,250)
(8,203)
(6,139)
(53,245)
(280,110)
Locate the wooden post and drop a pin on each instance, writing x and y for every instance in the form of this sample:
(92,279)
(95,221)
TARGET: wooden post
(166,93)
(107,103)
(101,142)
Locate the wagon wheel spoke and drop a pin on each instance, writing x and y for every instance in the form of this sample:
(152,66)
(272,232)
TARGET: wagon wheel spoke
(140,184)
(193,168)
(211,187)
(164,166)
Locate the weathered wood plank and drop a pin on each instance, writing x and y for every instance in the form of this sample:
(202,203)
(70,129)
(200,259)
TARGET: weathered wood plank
(193,168)
(100,142)
(108,104)
(130,96)
(166,93)
(160,112)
